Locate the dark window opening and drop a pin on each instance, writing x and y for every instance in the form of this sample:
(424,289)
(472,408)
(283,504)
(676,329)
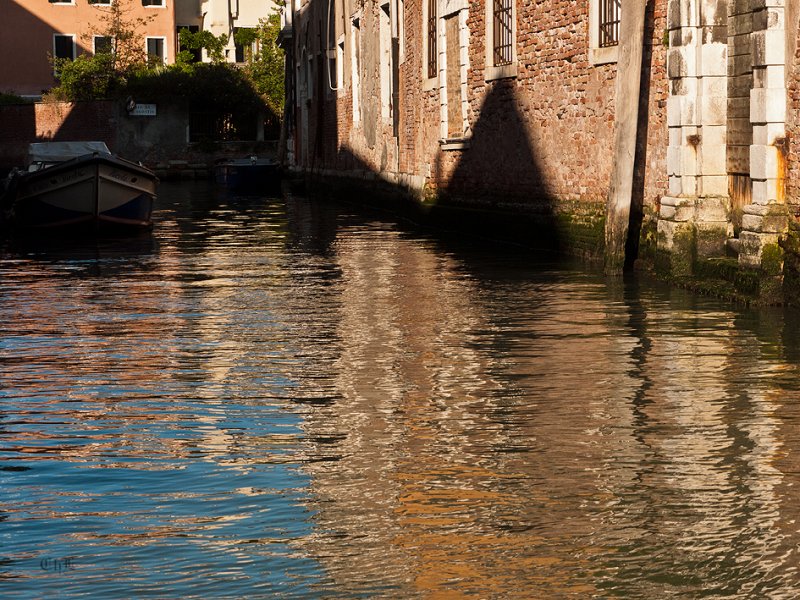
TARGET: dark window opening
(155,50)
(215,127)
(103,44)
(243,42)
(197,53)
(64,46)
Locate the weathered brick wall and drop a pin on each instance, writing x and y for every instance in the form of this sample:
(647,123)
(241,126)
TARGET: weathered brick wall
(419,109)
(17,130)
(555,122)
(549,132)
(82,121)
(793,127)
(60,121)
(653,156)
(540,141)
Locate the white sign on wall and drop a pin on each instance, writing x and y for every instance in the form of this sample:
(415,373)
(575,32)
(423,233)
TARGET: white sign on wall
(144,110)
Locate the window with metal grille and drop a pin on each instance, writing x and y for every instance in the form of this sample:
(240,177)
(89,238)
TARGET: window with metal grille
(502,33)
(609,23)
(432,17)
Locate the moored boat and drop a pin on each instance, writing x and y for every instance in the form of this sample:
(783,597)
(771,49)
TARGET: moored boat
(78,185)
(249,175)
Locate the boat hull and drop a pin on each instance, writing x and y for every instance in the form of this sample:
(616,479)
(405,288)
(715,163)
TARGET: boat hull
(93,192)
(246,176)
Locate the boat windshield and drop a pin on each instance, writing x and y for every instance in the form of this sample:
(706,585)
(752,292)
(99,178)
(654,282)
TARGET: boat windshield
(49,153)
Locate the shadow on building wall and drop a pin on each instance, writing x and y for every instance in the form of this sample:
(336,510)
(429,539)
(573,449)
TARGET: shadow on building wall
(502,171)
(499,173)
(17,130)
(26,44)
(17,122)
(494,185)
(23,124)
(28,39)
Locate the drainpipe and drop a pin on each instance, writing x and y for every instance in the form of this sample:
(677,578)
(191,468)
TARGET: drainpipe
(629,74)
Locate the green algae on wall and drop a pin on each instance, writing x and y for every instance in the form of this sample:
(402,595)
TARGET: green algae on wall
(580,229)
(791,265)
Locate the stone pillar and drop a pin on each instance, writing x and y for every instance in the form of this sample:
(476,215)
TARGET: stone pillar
(765,219)
(693,220)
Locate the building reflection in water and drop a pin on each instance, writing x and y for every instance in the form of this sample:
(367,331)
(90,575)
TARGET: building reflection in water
(564,435)
(289,383)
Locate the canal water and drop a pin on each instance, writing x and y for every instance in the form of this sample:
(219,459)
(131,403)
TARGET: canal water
(281,398)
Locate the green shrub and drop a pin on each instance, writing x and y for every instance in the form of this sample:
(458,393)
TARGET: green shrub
(86,78)
(266,69)
(201,40)
(12,98)
(207,85)
(222,92)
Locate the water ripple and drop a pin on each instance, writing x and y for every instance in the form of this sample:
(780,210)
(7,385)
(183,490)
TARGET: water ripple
(274,397)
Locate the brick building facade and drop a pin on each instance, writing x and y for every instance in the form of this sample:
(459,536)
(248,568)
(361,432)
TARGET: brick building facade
(512,105)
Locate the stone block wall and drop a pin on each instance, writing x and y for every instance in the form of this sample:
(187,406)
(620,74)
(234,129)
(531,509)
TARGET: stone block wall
(731,92)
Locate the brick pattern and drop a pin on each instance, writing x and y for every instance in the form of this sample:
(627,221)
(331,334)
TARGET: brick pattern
(653,156)
(540,140)
(793,130)
(59,121)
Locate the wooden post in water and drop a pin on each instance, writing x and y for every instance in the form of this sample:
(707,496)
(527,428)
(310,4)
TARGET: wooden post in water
(629,74)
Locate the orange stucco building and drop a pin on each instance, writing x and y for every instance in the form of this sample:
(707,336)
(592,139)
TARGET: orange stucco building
(35,30)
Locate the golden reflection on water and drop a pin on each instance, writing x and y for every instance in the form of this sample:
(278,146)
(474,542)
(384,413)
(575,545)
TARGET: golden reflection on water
(544,440)
(459,428)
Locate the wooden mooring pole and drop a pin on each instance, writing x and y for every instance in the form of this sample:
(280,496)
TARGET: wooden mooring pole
(629,74)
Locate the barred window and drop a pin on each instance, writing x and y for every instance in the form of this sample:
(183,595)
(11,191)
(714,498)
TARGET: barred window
(432,18)
(502,33)
(609,23)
